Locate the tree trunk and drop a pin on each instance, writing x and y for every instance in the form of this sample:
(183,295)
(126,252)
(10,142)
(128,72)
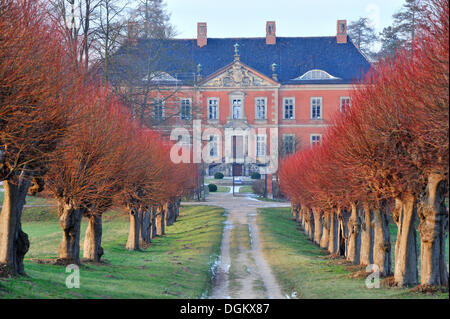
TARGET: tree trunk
(70,222)
(317,225)
(341,249)
(171,207)
(381,242)
(296,214)
(93,250)
(333,233)
(160,221)
(433,232)
(153,221)
(354,228)
(134,231)
(324,240)
(177,209)
(366,256)
(300,215)
(405,270)
(14,243)
(309,224)
(145,237)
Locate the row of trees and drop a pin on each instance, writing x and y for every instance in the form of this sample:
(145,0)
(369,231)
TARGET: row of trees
(62,130)
(385,157)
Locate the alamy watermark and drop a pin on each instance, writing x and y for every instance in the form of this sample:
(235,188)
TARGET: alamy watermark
(73,280)
(240,145)
(373,280)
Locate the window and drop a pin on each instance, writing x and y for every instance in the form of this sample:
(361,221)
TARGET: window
(185,109)
(260,145)
(288,108)
(260,104)
(288,144)
(237,108)
(316,108)
(213,145)
(158,109)
(315,139)
(344,103)
(316,75)
(213,109)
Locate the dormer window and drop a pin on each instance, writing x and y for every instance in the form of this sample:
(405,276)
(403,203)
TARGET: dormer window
(316,75)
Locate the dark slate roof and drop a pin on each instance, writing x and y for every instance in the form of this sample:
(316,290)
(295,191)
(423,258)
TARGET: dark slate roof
(294,56)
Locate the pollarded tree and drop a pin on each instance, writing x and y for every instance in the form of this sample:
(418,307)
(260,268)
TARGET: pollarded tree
(87,165)
(37,90)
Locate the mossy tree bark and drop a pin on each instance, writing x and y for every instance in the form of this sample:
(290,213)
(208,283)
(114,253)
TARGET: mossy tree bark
(381,242)
(14,243)
(153,213)
(332,247)
(341,249)
(366,256)
(92,249)
(404,215)
(145,228)
(70,222)
(317,225)
(354,229)
(433,229)
(134,230)
(324,240)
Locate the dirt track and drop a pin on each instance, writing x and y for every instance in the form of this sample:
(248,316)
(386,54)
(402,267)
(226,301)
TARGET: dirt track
(244,273)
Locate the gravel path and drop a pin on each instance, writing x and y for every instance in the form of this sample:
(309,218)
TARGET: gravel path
(257,281)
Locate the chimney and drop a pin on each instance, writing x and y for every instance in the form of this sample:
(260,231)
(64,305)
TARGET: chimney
(341,33)
(202,38)
(132,32)
(270,33)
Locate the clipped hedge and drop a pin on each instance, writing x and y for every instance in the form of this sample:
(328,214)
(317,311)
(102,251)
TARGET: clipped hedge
(255,175)
(212,188)
(218,175)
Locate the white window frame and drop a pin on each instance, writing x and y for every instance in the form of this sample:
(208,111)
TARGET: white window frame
(342,98)
(241,108)
(316,74)
(256,108)
(312,136)
(311,107)
(217,100)
(155,102)
(264,141)
(190,109)
(293,108)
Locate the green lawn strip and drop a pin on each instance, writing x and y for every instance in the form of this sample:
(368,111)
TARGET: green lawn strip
(302,267)
(223,189)
(246,189)
(177,265)
(32,200)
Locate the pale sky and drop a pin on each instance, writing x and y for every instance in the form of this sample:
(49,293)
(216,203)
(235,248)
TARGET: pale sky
(247,18)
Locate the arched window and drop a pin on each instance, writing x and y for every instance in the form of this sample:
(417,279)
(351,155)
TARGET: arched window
(316,75)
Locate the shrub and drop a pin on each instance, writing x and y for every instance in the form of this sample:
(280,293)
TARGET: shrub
(258,187)
(212,187)
(255,175)
(218,175)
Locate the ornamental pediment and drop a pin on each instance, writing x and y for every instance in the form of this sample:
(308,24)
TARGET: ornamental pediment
(237,75)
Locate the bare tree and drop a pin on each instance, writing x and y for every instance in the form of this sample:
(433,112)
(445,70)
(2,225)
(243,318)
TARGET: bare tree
(363,35)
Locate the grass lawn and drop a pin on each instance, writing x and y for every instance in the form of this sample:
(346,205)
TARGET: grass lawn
(177,265)
(32,200)
(302,268)
(246,189)
(223,189)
